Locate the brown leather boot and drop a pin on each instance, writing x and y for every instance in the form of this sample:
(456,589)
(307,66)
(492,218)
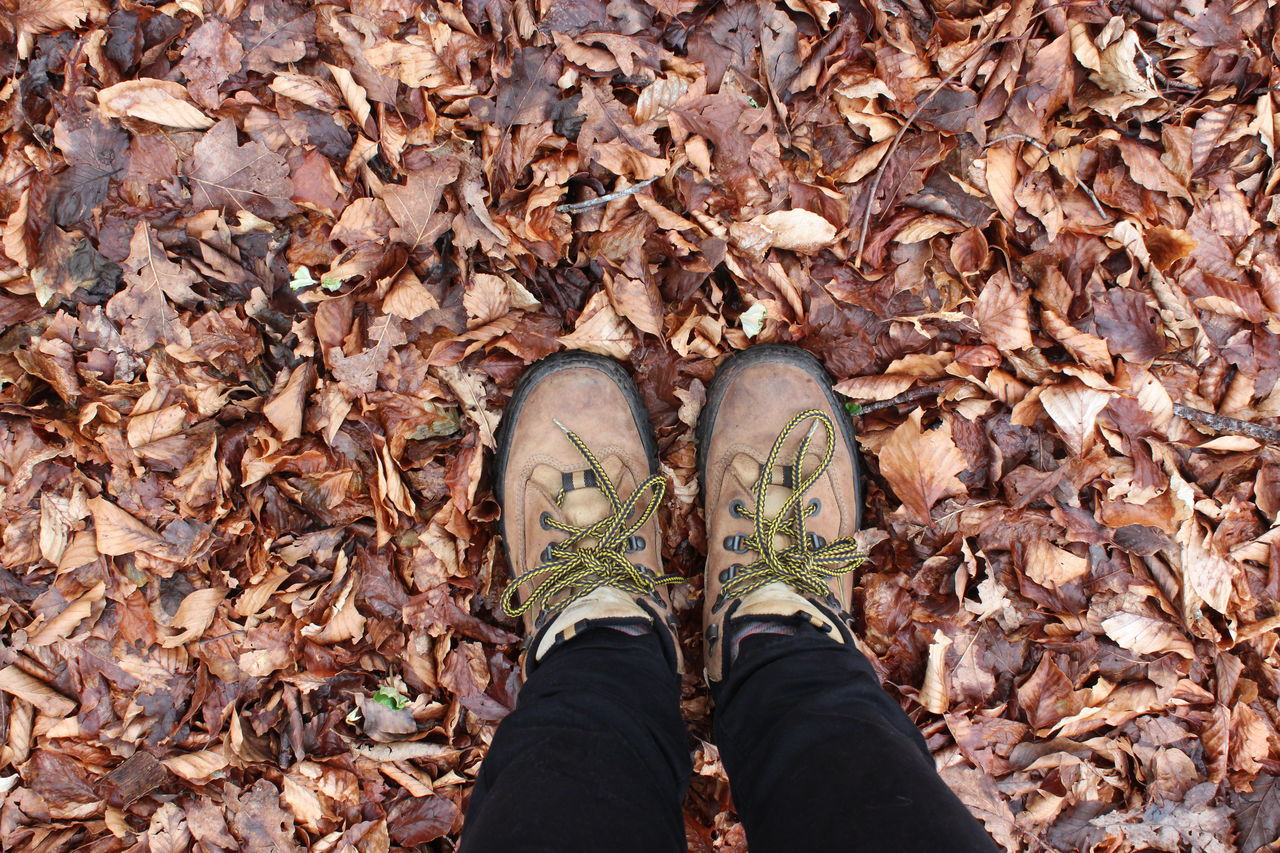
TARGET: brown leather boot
(782,498)
(578,485)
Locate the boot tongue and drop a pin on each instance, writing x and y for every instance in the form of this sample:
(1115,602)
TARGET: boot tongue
(747,471)
(583,503)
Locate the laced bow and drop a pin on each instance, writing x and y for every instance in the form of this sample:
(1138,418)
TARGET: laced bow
(580,569)
(805,565)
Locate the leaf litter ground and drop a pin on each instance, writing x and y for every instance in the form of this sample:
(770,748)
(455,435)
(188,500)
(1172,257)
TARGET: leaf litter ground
(270,270)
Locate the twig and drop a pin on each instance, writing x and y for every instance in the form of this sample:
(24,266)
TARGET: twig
(905,397)
(881,167)
(1222,423)
(577,206)
(1022,137)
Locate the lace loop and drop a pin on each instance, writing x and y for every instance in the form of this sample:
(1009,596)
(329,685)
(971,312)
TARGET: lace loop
(804,565)
(580,569)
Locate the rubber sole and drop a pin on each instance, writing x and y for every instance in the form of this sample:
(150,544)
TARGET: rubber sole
(784,354)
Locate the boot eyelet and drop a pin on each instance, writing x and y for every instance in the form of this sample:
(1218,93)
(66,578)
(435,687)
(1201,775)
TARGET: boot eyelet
(815,541)
(726,575)
(736,543)
(815,506)
(546,554)
(737,508)
(543,519)
(635,543)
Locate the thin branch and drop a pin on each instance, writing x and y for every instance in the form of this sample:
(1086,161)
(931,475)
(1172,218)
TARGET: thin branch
(881,167)
(578,206)
(1022,137)
(905,397)
(1232,426)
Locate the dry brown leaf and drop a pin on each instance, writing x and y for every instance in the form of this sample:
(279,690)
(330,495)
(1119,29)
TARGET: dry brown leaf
(412,61)
(117,533)
(1002,180)
(32,17)
(600,330)
(797,230)
(933,692)
(486,298)
(1051,566)
(197,766)
(921,466)
(1001,312)
(638,301)
(356,97)
(49,701)
(1146,636)
(408,297)
(57,517)
(1074,407)
(194,616)
(874,387)
(168,831)
(65,623)
(1210,574)
(239,179)
(305,89)
(158,101)
(657,99)
(286,409)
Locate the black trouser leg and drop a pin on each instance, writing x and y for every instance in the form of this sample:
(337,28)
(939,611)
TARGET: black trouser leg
(819,757)
(593,758)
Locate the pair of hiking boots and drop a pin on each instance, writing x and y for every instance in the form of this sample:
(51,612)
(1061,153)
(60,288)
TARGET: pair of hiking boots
(577,479)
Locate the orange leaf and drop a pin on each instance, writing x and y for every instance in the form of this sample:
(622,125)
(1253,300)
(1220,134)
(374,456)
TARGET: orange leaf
(921,466)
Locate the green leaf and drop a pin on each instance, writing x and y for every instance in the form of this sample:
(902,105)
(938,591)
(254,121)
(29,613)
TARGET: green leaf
(853,409)
(302,279)
(389,696)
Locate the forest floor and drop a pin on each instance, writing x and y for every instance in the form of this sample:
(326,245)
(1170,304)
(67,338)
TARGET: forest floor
(271,268)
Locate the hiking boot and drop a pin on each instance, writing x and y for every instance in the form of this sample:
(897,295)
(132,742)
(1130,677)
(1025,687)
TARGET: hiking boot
(782,501)
(578,485)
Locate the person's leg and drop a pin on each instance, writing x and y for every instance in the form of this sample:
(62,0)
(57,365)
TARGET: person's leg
(595,756)
(819,757)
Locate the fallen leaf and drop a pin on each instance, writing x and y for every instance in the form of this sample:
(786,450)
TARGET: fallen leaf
(18,683)
(921,466)
(1001,312)
(194,616)
(1051,566)
(197,766)
(933,692)
(1074,407)
(159,101)
(600,330)
(1146,636)
(237,178)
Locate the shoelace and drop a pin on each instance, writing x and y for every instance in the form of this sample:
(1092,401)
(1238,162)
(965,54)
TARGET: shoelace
(803,565)
(583,570)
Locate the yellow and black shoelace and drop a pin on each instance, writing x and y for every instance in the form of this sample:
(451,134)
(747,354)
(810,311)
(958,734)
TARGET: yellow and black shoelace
(579,569)
(805,565)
